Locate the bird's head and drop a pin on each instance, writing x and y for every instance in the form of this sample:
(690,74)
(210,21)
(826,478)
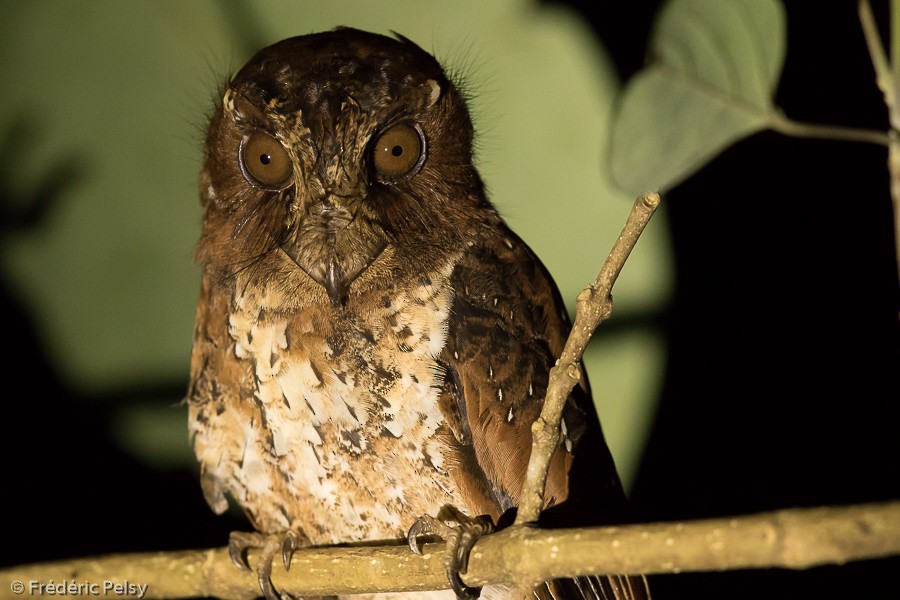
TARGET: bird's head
(334,159)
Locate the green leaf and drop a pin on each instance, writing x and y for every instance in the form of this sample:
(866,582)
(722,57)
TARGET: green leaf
(713,71)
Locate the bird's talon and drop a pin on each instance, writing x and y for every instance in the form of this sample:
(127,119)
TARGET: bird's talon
(460,534)
(266,586)
(288,546)
(238,542)
(269,545)
(462,591)
(423,525)
(238,559)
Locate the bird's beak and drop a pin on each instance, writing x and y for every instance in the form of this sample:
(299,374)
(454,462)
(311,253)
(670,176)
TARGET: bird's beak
(334,247)
(335,283)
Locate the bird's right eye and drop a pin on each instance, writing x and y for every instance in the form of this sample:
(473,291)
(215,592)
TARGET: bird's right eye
(398,152)
(265,162)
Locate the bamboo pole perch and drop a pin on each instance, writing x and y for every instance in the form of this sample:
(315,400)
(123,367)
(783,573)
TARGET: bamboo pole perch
(791,539)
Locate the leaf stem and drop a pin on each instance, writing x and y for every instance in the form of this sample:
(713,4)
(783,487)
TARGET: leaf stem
(786,126)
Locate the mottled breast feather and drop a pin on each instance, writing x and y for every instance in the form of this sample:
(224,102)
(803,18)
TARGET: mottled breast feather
(325,419)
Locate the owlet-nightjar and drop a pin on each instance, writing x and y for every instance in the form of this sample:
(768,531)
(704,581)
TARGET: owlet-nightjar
(372,342)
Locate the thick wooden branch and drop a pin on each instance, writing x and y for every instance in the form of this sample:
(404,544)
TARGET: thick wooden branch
(792,539)
(593,306)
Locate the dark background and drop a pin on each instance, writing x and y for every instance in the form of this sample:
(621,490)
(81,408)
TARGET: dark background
(781,387)
(783,343)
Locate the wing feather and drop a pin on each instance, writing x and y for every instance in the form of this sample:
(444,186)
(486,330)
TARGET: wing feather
(508,326)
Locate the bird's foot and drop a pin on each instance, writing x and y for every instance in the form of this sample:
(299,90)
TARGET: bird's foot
(460,533)
(269,545)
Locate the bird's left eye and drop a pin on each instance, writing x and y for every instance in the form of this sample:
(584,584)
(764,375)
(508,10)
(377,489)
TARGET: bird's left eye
(398,152)
(265,162)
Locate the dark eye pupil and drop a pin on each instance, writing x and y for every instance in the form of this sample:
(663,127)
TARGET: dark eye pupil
(265,162)
(398,152)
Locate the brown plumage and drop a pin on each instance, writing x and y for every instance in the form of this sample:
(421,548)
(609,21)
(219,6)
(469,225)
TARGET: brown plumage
(372,342)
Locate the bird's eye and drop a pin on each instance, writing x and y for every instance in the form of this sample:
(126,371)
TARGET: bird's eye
(398,152)
(265,162)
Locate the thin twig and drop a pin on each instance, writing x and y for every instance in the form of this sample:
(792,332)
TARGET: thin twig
(895,61)
(887,77)
(894,110)
(880,63)
(792,539)
(593,306)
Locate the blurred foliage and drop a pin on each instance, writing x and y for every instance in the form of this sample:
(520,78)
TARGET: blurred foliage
(122,89)
(712,73)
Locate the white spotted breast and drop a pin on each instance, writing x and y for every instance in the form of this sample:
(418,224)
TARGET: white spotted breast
(334,427)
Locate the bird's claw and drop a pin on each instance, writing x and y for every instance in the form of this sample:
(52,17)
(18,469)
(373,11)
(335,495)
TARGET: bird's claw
(269,545)
(460,533)
(290,543)
(422,526)
(238,543)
